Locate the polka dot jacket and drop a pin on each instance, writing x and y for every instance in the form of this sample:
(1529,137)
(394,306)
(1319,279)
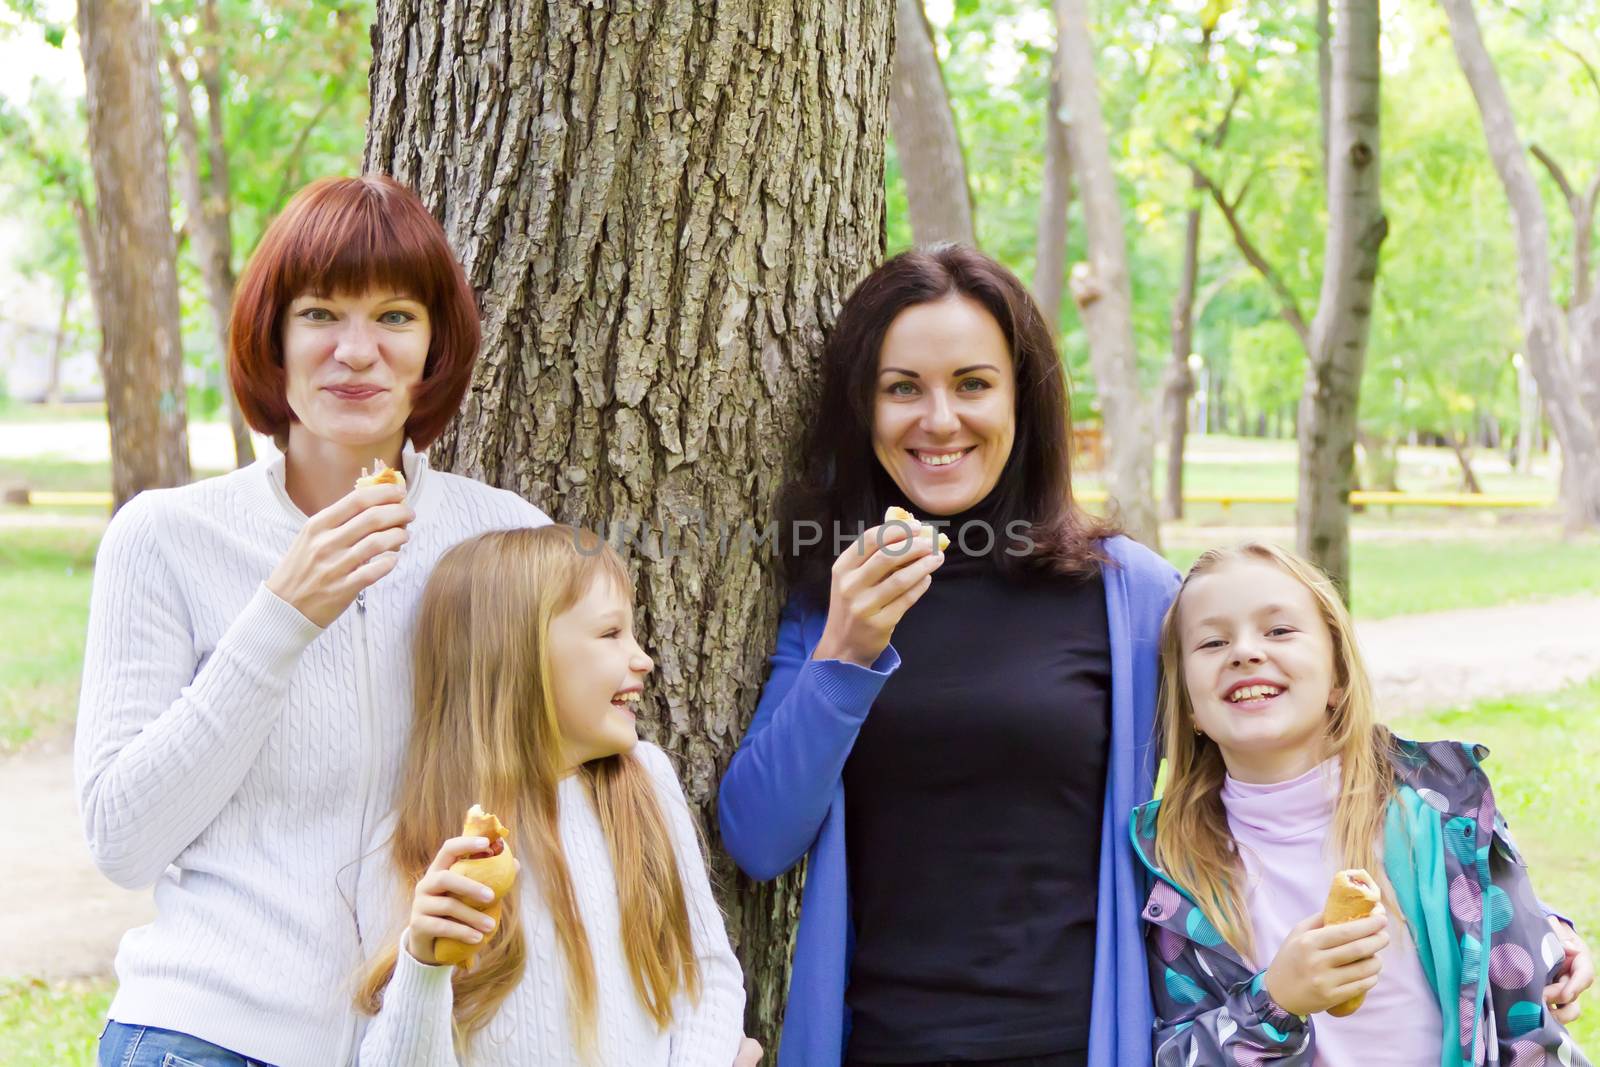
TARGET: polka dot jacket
(1492,946)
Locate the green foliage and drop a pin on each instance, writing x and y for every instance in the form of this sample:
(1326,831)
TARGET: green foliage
(52,1024)
(292,79)
(1446,318)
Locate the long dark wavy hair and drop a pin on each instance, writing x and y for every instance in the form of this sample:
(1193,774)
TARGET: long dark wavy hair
(842,486)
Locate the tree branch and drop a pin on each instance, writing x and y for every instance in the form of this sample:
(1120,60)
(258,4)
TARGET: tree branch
(291,162)
(1289,308)
(1594,78)
(1220,133)
(1555,172)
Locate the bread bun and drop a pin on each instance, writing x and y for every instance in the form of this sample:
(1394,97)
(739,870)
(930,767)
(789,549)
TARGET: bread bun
(495,869)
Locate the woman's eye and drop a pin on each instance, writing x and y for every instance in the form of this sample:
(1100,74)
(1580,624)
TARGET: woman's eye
(979,382)
(896,390)
(317,315)
(396,318)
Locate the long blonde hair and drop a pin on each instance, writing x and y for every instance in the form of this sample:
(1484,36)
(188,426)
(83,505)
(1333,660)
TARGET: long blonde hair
(485,731)
(1193,843)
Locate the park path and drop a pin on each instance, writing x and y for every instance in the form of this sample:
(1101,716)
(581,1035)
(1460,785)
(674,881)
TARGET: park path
(60,918)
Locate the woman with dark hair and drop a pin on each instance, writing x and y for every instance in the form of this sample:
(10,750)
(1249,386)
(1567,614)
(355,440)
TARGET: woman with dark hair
(976,902)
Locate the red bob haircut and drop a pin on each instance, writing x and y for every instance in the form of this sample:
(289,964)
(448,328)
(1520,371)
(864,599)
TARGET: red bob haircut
(349,235)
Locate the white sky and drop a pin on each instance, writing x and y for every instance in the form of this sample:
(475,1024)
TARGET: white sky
(25,55)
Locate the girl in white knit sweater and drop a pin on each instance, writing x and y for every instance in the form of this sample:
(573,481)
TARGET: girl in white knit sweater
(610,949)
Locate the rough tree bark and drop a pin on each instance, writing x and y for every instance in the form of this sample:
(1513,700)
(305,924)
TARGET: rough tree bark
(208,201)
(1338,348)
(1576,429)
(1100,287)
(925,135)
(142,351)
(662,206)
(1050,248)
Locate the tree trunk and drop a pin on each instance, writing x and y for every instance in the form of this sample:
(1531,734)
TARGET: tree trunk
(1050,249)
(52,387)
(1528,417)
(1178,382)
(142,349)
(1100,287)
(925,135)
(1338,341)
(1583,312)
(210,211)
(1576,429)
(662,206)
(1459,443)
(1382,455)
(1324,79)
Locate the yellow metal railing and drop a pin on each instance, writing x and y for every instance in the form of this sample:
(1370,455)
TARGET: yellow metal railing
(1360,498)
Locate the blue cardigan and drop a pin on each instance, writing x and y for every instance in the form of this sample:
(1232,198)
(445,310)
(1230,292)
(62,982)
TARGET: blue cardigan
(783,797)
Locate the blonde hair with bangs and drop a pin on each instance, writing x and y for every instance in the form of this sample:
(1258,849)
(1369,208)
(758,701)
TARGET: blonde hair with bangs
(1194,845)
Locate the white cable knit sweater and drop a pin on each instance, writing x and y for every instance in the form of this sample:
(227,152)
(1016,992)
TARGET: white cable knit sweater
(237,757)
(532,1026)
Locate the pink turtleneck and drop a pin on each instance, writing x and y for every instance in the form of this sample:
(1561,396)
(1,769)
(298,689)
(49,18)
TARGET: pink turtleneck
(1287,824)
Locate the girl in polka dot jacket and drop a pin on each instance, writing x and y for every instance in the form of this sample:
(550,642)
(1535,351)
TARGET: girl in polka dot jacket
(1278,776)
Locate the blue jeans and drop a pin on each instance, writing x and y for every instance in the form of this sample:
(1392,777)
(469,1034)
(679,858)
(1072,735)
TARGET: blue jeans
(122,1045)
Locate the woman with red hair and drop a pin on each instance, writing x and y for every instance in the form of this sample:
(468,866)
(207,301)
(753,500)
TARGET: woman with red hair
(241,728)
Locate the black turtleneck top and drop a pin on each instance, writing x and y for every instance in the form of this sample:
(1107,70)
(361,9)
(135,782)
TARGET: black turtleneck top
(974,796)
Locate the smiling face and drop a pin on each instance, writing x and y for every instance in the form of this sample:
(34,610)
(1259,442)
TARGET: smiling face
(350,363)
(1258,668)
(944,414)
(598,673)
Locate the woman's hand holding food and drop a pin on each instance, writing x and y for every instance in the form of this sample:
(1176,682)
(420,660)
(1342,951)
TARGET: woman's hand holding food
(341,550)
(875,582)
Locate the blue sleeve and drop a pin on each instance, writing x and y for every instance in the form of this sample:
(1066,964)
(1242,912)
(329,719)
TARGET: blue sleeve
(782,779)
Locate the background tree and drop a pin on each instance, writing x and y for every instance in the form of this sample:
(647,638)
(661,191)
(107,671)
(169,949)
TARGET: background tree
(1055,198)
(142,352)
(1338,339)
(1560,377)
(1178,382)
(301,116)
(925,132)
(662,207)
(1100,285)
(45,168)
(207,196)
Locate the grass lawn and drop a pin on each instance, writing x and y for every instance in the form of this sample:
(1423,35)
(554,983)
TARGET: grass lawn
(44,607)
(17,411)
(1405,577)
(1543,752)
